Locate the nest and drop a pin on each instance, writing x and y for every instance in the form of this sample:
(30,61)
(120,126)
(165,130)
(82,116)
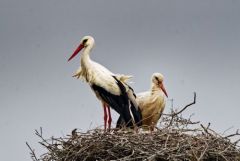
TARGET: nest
(175,139)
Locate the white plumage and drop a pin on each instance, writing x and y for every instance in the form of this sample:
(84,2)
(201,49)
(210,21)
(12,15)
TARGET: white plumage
(110,86)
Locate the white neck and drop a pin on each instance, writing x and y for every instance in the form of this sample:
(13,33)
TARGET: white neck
(154,88)
(85,58)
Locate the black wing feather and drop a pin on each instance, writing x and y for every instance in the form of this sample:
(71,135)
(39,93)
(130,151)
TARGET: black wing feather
(120,103)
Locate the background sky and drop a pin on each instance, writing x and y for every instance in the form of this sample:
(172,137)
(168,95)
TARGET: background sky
(194,44)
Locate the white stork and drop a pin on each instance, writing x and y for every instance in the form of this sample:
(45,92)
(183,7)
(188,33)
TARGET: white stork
(109,88)
(151,103)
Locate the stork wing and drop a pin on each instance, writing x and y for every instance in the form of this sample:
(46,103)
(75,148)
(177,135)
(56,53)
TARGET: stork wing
(133,106)
(120,103)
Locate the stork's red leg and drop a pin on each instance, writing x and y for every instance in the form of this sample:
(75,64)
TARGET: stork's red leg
(105,116)
(109,118)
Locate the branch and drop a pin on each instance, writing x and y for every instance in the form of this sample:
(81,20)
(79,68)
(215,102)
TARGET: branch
(33,155)
(173,114)
(194,101)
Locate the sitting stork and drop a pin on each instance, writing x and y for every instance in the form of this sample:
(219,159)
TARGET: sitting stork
(151,103)
(109,88)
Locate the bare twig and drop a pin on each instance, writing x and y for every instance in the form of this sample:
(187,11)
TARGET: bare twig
(33,155)
(184,108)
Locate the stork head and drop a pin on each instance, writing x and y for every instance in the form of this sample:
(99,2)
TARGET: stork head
(157,80)
(86,41)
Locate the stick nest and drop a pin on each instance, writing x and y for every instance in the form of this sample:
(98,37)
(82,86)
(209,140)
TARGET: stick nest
(175,139)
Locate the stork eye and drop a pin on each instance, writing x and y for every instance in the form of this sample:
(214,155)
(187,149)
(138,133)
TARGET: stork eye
(158,81)
(84,41)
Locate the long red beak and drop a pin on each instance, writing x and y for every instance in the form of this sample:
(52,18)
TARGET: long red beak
(164,90)
(79,48)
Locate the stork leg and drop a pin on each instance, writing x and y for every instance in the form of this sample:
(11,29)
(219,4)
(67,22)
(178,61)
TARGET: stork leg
(109,118)
(105,116)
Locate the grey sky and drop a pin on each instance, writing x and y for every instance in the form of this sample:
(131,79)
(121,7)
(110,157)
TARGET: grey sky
(195,44)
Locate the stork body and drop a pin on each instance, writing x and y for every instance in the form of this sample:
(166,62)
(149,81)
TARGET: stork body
(108,87)
(151,103)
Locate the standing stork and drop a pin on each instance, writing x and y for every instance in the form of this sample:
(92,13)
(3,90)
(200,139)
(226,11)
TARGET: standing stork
(151,103)
(109,88)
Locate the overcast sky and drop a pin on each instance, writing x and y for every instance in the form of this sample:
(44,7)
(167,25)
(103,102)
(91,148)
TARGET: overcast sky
(194,44)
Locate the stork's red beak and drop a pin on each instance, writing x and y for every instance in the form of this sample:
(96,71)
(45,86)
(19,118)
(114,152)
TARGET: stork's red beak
(79,48)
(164,90)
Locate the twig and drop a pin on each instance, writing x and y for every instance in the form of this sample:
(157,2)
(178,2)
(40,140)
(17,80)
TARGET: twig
(33,155)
